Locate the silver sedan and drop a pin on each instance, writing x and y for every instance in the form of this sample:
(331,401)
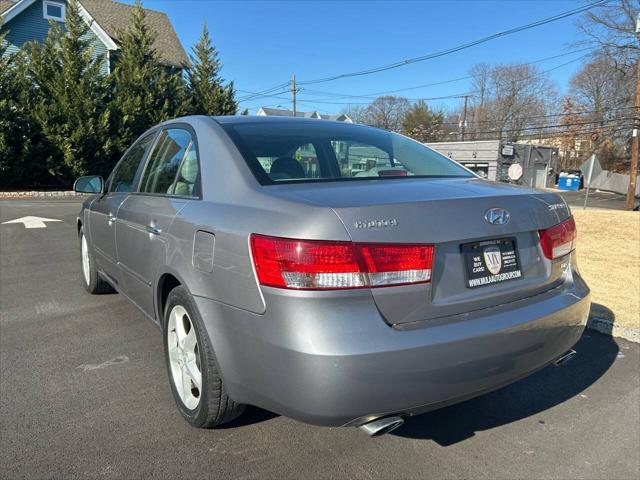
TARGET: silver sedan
(337,274)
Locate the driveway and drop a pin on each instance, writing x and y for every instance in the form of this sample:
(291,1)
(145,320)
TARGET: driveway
(84,393)
(597,199)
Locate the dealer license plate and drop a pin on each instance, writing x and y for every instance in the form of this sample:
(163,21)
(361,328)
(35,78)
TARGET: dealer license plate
(491,261)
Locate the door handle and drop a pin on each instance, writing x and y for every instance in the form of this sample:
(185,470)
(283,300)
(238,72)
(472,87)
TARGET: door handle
(111,219)
(152,230)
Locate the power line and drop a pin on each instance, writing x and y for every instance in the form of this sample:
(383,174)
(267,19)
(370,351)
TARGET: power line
(584,130)
(609,130)
(262,92)
(272,95)
(550,115)
(458,48)
(444,97)
(528,117)
(269,93)
(452,80)
(564,126)
(460,95)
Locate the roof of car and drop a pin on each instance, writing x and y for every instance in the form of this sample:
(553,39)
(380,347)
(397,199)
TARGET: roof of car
(275,119)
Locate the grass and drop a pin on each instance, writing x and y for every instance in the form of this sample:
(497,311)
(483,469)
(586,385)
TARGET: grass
(608,252)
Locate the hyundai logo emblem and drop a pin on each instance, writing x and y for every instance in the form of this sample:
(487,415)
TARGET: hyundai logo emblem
(497,216)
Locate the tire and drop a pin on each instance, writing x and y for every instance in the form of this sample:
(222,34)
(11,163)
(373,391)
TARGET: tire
(90,277)
(206,405)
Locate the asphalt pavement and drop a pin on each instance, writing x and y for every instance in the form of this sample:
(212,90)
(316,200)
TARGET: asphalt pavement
(84,393)
(596,199)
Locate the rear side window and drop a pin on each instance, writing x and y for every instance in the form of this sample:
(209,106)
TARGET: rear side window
(188,174)
(165,161)
(124,177)
(296,151)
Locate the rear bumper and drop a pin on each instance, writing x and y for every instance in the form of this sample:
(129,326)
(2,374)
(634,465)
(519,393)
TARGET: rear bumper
(334,361)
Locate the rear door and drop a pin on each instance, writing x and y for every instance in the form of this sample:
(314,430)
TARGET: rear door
(103,214)
(169,181)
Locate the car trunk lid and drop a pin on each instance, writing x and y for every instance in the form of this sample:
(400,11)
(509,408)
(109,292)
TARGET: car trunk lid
(450,214)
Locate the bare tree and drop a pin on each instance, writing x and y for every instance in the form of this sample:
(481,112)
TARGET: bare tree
(509,101)
(481,78)
(481,73)
(605,94)
(355,113)
(599,87)
(611,28)
(569,133)
(387,112)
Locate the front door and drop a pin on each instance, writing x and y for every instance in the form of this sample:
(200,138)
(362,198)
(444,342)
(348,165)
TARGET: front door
(144,219)
(103,233)
(104,211)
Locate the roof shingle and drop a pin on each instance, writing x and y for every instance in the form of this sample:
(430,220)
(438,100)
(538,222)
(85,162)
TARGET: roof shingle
(5,4)
(114,17)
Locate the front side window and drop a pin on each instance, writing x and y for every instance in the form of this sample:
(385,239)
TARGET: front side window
(53,10)
(165,162)
(124,177)
(289,151)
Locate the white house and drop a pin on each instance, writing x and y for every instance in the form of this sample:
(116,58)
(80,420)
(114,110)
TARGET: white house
(281,112)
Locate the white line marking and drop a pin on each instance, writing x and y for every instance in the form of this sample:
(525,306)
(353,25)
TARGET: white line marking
(32,222)
(47,307)
(114,361)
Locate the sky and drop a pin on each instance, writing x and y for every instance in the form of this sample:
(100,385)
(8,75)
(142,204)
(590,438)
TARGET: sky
(263,43)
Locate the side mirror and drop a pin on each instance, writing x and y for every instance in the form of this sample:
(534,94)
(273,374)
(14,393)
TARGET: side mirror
(89,184)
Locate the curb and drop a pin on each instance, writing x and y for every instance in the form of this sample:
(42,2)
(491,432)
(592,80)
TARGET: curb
(607,327)
(36,194)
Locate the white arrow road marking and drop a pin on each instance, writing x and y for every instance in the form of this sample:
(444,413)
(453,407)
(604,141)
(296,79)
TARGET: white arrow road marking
(33,222)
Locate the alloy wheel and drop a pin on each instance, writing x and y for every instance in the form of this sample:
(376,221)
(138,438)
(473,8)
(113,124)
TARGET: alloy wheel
(86,266)
(184,357)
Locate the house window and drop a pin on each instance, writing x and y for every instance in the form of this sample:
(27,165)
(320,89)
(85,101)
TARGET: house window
(53,10)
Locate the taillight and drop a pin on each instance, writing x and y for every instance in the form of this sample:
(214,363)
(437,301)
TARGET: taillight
(559,240)
(328,265)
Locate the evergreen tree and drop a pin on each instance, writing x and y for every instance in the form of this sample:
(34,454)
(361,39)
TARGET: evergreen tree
(144,91)
(206,94)
(21,142)
(10,119)
(421,123)
(69,96)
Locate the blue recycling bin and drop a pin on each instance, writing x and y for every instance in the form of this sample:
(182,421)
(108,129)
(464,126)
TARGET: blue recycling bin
(569,182)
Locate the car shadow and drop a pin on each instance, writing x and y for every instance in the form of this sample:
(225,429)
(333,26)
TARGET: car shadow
(250,416)
(529,396)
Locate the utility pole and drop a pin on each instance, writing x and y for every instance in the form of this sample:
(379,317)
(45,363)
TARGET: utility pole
(633,172)
(294,90)
(463,124)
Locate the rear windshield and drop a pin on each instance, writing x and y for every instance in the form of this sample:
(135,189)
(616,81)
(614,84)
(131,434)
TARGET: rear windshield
(295,152)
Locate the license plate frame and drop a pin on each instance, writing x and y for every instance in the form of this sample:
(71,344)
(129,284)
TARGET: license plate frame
(478,265)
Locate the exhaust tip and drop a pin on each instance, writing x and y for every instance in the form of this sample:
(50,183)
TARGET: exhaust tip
(565,357)
(381,426)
